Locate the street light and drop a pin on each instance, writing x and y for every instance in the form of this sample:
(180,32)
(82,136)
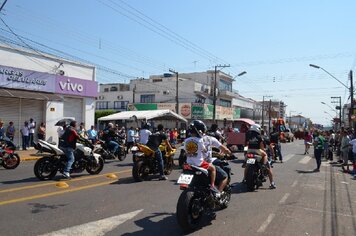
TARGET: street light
(329,106)
(214,94)
(351,88)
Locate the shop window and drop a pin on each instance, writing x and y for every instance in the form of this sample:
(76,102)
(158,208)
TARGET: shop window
(102,105)
(225,85)
(147,98)
(225,103)
(120,105)
(113,89)
(106,89)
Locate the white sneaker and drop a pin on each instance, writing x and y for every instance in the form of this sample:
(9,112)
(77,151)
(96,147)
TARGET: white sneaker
(66,175)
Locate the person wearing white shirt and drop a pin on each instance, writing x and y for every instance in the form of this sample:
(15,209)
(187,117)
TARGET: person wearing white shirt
(32,126)
(144,134)
(25,131)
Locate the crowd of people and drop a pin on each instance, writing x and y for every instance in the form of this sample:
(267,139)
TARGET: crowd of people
(327,144)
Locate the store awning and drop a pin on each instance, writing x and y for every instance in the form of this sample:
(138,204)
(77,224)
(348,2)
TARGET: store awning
(29,95)
(144,115)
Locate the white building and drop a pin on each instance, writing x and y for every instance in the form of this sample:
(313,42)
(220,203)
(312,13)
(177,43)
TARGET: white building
(45,88)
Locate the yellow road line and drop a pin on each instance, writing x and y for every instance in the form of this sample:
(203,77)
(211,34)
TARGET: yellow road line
(55,193)
(54,182)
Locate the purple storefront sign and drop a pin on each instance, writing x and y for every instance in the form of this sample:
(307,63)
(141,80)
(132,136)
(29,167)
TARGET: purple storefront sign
(15,78)
(73,86)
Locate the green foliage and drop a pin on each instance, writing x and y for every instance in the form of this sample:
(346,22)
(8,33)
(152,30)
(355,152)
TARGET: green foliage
(102,113)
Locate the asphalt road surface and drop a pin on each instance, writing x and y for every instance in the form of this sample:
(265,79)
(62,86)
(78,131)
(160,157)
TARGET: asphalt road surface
(304,203)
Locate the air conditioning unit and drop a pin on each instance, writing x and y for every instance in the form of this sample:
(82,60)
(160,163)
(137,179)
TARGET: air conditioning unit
(166,92)
(101,97)
(206,90)
(120,97)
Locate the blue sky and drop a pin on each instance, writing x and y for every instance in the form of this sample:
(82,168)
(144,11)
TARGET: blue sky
(274,41)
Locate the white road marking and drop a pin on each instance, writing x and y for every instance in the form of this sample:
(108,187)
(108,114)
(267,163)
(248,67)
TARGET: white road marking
(266,223)
(305,160)
(284,198)
(95,228)
(344,182)
(294,183)
(288,157)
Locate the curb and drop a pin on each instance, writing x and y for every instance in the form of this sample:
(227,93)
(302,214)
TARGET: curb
(29,158)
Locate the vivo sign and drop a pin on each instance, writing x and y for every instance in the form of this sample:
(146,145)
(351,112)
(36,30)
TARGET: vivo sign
(73,86)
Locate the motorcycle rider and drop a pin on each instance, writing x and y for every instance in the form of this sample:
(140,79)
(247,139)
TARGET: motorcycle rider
(197,151)
(210,142)
(214,132)
(109,133)
(154,140)
(70,138)
(274,137)
(255,145)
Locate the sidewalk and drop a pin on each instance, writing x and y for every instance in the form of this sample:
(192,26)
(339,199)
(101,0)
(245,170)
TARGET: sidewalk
(29,155)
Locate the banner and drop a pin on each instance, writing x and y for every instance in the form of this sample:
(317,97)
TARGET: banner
(236,114)
(185,110)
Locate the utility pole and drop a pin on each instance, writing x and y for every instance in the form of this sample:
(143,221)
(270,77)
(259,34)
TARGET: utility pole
(263,109)
(214,94)
(339,102)
(269,120)
(3,4)
(352,99)
(133,94)
(177,98)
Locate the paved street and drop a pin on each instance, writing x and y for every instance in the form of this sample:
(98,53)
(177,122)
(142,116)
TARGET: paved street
(304,203)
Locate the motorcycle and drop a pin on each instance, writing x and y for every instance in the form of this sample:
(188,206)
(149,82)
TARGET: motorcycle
(197,199)
(9,159)
(146,163)
(256,172)
(85,159)
(102,149)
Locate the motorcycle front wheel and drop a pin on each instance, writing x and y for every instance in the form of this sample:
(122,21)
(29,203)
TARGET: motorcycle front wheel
(250,178)
(11,161)
(45,169)
(189,211)
(94,168)
(122,155)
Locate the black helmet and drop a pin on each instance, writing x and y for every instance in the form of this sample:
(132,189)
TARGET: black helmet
(198,127)
(147,126)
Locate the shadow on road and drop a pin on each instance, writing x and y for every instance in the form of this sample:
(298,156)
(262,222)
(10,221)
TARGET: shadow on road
(305,171)
(238,188)
(124,164)
(158,224)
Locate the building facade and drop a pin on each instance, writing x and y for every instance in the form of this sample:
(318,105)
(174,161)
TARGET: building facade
(45,88)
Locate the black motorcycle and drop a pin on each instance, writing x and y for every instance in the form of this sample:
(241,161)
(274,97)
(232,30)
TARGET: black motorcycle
(197,200)
(256,172)
(106,153)
(85,159)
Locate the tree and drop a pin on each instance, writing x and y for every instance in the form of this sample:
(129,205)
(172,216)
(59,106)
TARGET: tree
(102,113)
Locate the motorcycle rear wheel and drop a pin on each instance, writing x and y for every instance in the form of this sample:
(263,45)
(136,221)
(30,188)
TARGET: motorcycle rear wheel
(11,161)
(250,179)
(44,168)
(189,211)
(139,171)
(168,166)
(95,168)
(122,155)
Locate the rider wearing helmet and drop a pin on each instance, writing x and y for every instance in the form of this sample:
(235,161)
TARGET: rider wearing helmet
(197,151)
(255,145)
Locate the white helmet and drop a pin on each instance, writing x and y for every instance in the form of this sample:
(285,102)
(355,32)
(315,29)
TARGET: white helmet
(256,128)
(110,125)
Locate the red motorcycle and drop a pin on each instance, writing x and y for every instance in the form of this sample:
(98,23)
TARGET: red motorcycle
(9,159)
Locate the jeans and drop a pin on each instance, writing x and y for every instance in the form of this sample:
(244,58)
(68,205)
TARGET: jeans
(279,152)
(158,155)
(113,146)
(31,140)
(24,142)
(70,158)
(317,154)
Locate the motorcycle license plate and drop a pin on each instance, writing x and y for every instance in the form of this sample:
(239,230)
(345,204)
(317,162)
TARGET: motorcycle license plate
(250,161)
(185,179)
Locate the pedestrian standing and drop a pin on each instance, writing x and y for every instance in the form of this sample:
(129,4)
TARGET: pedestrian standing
(319,147)
(32,126)
(2,129)
(92,134)
(130,139)
(307,142)
(41,132)
(10,131)
(25,132)
(345,148)
(81,131)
